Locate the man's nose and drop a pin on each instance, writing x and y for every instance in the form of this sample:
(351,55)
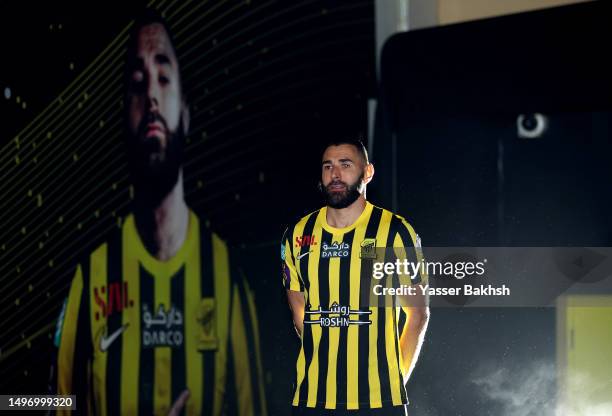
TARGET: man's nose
(335,172)
(152,95)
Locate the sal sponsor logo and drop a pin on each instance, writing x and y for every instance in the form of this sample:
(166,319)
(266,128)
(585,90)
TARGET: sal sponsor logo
(162,329)
(305,241)
(111,298)
(335,249)
(368,249)
(337,316)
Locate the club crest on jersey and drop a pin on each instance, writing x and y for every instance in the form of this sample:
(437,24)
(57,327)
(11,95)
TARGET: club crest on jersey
(368,248)
(335,249)
(305,240)
(207,318)
(164,328)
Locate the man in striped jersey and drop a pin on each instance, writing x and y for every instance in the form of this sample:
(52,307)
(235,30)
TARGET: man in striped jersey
(356,356)
(157,320)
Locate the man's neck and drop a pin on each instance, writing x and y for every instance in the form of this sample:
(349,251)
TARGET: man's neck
(345,217)
(163,229)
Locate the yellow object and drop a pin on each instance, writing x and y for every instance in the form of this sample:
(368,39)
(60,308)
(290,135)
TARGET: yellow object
(584,347)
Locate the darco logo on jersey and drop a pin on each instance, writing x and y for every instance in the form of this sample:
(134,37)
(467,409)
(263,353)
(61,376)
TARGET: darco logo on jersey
(335,249)
(163,329)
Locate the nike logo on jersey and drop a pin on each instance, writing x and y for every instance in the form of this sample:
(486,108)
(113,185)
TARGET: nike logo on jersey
(106,341)
(304,254)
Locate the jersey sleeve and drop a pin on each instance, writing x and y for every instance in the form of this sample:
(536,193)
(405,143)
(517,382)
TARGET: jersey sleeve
(291,279)
(245,371)
(74,345)
(407,245)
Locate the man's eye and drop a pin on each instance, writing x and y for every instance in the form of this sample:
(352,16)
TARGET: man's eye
(346,165)
(137,83)
(327,167)
(137,77)
(164,80)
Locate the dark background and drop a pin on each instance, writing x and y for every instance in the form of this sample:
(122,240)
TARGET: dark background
(269,83)
(448,144)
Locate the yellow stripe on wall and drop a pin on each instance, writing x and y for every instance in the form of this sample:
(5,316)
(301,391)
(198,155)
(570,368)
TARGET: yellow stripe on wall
(221,270)
(68,337)
(162,373)
(260,372)
(193,364)
(130,348)
(241,358)
(98,279)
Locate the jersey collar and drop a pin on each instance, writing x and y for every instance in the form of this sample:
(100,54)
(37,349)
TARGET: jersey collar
(136,248)
(365,214)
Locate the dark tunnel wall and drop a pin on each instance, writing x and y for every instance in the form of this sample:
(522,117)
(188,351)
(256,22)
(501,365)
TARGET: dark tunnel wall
(447,143)
(449,158)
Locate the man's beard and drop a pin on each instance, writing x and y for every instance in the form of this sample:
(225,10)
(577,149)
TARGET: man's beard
(154,177)
(339,200)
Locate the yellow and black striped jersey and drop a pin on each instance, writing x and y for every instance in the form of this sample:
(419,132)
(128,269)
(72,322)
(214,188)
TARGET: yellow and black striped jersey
(347,360)
(136,332)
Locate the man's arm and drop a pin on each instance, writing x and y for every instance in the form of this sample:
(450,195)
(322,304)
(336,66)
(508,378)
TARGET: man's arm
(412,337)
(416,305)
(293,284)
(297,305)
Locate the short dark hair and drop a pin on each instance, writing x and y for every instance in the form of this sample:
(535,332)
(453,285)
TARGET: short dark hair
(356,143)
(147,17)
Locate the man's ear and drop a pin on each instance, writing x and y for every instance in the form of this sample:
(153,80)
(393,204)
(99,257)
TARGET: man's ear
(369,173)
(185,117)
